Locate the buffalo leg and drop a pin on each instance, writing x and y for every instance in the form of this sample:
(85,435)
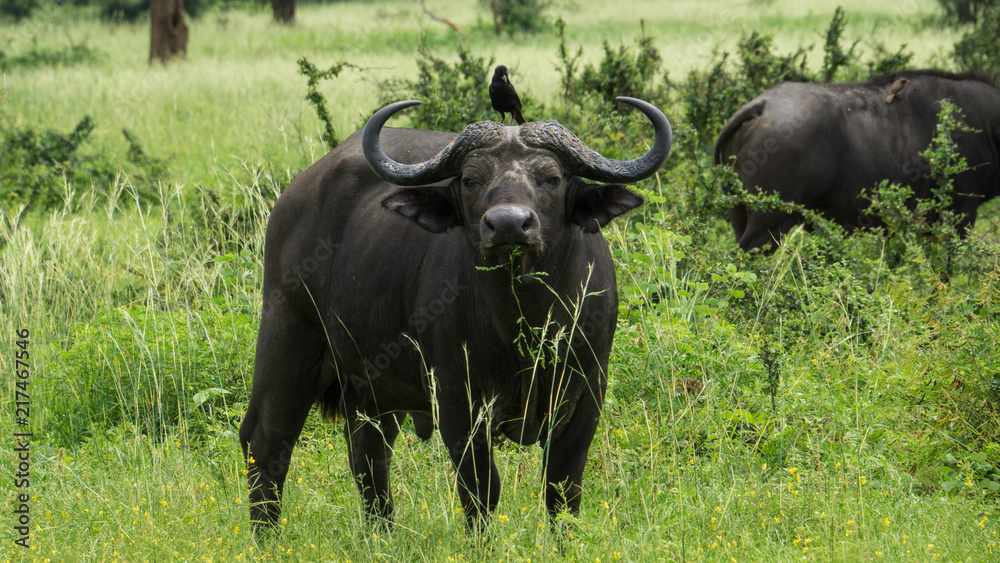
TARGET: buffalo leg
(738,219)
(472,455)
(369,450)
(565,459)
(277,410)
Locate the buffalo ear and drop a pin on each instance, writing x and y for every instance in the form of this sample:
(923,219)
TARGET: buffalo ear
(428,207)
(595,205)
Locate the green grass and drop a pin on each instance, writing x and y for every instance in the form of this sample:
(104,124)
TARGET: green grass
(873,436)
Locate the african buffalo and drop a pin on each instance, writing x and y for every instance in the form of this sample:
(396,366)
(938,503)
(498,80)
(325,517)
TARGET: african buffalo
(482,294)
(819,145)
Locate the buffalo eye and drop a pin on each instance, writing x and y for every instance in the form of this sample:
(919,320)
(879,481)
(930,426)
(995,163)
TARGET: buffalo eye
(552,182)
(469,183)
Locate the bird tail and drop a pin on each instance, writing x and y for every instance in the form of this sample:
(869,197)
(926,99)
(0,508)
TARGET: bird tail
(518,117)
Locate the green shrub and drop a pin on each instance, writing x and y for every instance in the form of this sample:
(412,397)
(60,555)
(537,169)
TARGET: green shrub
(123,11)
(513,16)
(17,9)
(625,72)
(42,167)
(630,70)
(978,48)
(926,228)
(313,76)
(711,96)
(568,64)
(949,423)
(884,62)
(233,218)
(968,11)
(452,95)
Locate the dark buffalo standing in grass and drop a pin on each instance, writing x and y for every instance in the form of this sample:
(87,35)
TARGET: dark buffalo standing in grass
(483,293)
(820,145)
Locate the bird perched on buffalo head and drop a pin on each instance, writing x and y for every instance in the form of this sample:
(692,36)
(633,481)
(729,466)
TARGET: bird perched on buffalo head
(504,97)
(896,88)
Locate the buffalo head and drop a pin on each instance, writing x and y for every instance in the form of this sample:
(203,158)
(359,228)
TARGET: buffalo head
(515,188)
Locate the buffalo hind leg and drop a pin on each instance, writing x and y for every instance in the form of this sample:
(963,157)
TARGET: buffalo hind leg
(267,447)
(369,451)
(285,374)
(738,219)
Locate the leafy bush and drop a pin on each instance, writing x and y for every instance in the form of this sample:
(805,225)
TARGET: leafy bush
(978,48)
(629,70)
(949,424)
(34,159)
(512,16)
(624,72)
(568,64)
(124,11)
(711,96)
(926,227)
(40,167)
(835,57)
(884,62)
(453,95)
(17,9)
(313,76)
(968,11)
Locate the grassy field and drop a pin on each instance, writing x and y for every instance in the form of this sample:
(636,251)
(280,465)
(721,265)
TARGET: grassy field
(817,404)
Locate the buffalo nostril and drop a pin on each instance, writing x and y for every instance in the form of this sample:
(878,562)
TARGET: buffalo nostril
(529,224)
(509,224)
(490,223)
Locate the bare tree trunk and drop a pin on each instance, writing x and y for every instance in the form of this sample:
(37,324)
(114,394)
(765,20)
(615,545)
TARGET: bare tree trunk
(497,20)
(284,11)
(169,31)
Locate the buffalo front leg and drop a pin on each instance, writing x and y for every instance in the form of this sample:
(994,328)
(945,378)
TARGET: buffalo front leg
(566,457)
(369,451)
(471,452)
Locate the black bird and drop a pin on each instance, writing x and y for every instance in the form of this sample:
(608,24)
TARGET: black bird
(504,97)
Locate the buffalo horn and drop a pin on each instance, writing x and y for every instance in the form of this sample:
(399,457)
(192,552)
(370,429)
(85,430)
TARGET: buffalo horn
(586,163)
(445,164)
